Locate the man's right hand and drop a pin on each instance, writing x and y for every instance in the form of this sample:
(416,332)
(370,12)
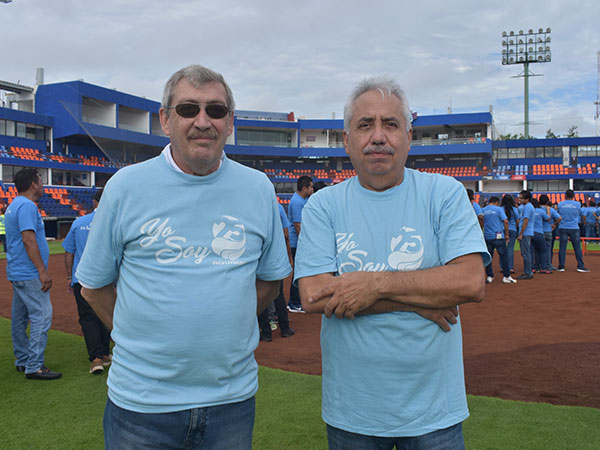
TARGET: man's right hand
(444,317)
(46,281)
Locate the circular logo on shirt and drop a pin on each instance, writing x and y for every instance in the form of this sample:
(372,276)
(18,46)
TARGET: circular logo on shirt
(229,238)
(407,250)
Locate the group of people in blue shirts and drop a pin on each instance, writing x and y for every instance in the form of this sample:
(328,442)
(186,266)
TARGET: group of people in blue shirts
(536,224)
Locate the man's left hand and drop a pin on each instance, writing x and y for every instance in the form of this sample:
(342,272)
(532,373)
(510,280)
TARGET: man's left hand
(350,293)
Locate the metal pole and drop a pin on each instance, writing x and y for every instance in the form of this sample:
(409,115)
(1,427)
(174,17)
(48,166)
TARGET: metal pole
(526,122)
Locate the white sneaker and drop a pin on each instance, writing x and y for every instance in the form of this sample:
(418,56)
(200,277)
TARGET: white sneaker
(489,279)
(584,270)
(508,280)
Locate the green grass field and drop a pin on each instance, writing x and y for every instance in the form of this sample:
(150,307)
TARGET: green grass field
(67,414)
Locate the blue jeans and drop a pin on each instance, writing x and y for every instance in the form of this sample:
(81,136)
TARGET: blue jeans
(294,293)
(526,254)
(590,230)
(500,245)
(510,253)
(30,305)
(550,246)
(574,236)
(540,252)
(221,427)
(447,439)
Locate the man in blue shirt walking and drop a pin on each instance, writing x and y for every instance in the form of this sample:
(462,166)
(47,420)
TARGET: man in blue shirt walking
(568,229)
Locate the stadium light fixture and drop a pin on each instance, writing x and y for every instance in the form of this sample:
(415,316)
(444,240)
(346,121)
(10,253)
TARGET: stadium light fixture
(526,48)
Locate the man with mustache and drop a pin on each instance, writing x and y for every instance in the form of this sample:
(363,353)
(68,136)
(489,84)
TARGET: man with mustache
(386,257)
(194,243)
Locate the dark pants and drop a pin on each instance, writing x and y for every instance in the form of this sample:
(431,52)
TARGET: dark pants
(282,315)
(500,245)
(575,237)
(3,239)
(97,337)
(539,252)
(294,293)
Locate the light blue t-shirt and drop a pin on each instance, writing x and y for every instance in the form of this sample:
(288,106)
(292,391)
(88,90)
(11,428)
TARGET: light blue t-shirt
(512,221)
(527,212)
(285,222)
(589,215)
(295,215)
(554,216)
(541,217)
(76,239)
(477,208)
(392,374)
(22,215)
(493,222)
(187,251)
(570,211)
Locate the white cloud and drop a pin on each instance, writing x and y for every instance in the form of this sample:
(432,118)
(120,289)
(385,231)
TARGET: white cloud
(306,56)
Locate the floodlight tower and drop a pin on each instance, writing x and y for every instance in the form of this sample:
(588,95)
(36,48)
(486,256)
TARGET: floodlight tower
(525,48)
(597,102)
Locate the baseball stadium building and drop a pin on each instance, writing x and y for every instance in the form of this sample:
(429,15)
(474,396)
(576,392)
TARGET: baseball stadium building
(78,134)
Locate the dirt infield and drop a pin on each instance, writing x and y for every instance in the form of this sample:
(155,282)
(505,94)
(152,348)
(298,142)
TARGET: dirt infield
(538,340)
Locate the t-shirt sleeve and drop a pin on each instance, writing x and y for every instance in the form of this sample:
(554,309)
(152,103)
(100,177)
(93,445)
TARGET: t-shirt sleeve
(285,222)
(69,242)
(27,217)
(273,263)
(296,212)
(99,265)
(458,230)
(316,253)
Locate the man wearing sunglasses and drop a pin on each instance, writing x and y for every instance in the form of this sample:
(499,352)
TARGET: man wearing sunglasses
(194,243)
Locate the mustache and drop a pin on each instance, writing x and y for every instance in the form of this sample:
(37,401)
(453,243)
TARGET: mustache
(379,149)
(202,134)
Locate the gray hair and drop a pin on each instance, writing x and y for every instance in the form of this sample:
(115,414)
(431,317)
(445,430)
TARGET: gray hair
(197,75)
(386,86)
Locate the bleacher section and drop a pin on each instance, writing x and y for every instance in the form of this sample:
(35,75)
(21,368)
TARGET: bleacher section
(57,202)
(456,172)
(316,174)
(33,154)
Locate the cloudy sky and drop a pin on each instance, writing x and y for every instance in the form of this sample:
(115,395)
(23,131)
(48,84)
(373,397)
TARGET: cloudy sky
(306,56)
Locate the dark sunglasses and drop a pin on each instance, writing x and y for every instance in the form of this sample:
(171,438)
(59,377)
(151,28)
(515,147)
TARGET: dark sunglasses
(191,110)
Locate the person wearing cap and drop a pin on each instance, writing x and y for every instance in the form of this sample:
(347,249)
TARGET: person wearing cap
(96,335)
(194,243)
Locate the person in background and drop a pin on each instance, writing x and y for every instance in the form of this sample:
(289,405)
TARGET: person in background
(304,189)
(266,333)
(27,270)
(512,213)
(525,236)
(591,219)
(2,227)
(539,247)
(495,233)
(476,207)
(549,227)
(95,334)
(568,229)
